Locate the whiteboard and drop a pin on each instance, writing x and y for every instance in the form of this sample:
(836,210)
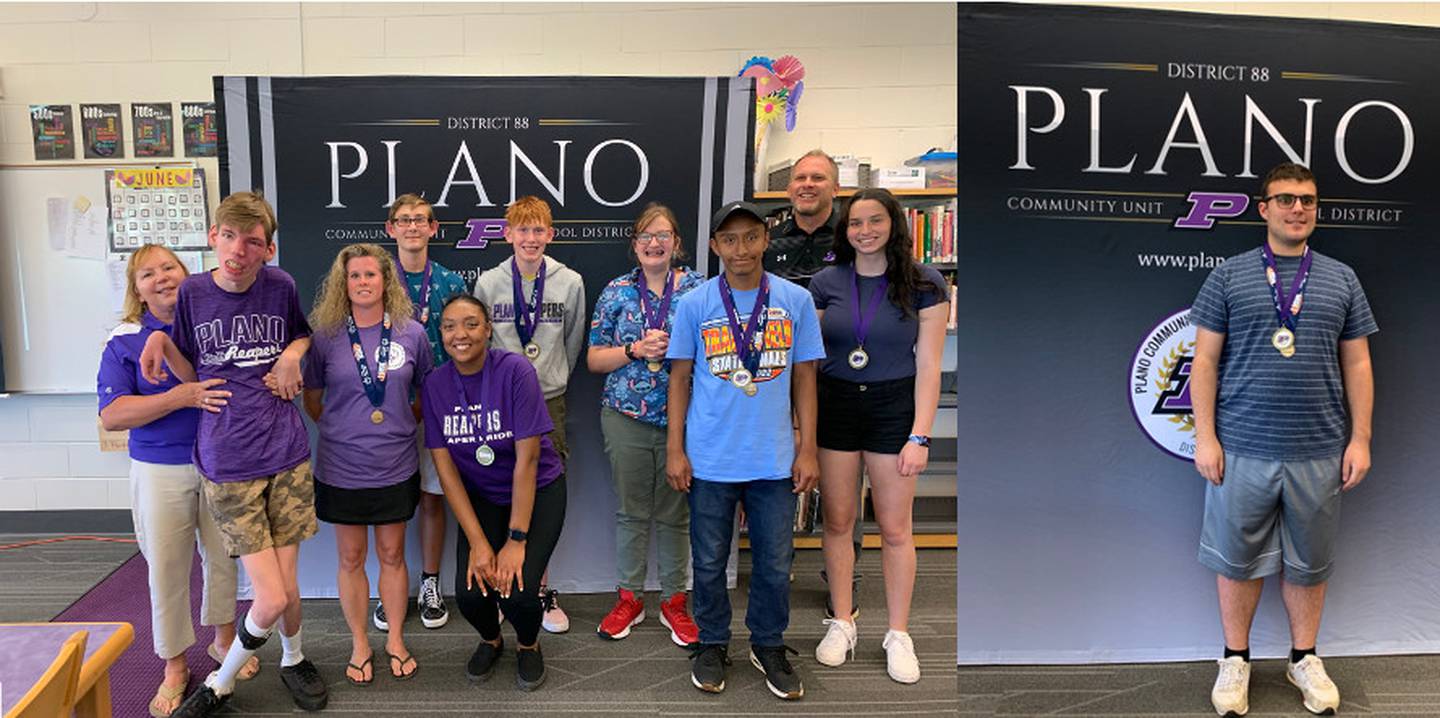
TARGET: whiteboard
(57,303)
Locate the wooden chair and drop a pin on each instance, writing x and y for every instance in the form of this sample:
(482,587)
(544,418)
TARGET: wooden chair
(54,695)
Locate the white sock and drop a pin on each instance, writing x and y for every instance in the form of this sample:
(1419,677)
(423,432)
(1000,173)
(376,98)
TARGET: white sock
(293,652)
(222,681)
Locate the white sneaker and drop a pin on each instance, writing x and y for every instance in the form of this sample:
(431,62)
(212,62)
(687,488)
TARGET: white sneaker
(554,619)
(1231,694)
(1318,691)
(839,640)
(900,659)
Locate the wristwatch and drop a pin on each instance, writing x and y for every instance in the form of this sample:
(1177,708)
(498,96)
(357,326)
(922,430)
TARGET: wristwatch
(517,535)
(921,440)
(630,354)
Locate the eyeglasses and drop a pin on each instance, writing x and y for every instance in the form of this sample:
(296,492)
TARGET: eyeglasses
(647,237)
(408,221)
(1287,200)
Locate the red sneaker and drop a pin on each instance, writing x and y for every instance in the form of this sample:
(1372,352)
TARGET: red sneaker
(675,614)
(628,611)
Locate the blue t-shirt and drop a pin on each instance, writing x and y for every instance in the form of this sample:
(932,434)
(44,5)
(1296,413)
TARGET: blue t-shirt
(634,390)
(444,284)
(729,436)
(892,335)
(169,439)
(1270,406)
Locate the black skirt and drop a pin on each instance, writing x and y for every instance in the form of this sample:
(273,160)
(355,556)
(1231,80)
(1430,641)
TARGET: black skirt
(367,507)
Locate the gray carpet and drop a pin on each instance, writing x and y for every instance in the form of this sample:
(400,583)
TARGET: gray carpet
(645,674)
(1372,685)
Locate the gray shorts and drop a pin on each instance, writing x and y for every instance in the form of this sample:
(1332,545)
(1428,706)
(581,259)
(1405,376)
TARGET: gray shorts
(1271,514)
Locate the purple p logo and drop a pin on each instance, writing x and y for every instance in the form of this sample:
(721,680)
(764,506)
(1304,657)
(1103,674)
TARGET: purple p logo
(482,232)
(1205,207)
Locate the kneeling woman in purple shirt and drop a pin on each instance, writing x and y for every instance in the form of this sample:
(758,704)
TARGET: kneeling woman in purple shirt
(166,502)
(366,356)
(486,426)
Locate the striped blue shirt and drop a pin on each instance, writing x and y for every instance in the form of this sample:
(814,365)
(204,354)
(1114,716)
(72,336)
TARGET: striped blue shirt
(1270,406)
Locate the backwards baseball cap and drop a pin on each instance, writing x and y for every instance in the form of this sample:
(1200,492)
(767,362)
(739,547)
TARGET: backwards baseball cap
(733,209)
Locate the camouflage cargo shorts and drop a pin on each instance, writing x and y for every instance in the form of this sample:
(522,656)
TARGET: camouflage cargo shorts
(268,512)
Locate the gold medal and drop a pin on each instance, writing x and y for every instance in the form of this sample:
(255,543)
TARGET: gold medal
(653,365)
(751,390)
(1284,342)
(532,350)
(376,417)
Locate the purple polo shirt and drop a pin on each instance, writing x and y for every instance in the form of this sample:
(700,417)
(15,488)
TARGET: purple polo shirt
(504,405)
(355,452)
(237,336)
(167,440)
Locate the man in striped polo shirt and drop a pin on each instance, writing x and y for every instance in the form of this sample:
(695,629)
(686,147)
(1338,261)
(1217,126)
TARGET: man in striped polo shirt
(1282,360)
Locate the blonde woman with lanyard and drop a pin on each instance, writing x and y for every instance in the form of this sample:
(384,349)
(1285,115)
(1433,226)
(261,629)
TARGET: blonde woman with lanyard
(165,497)
(883,318)
(366,356)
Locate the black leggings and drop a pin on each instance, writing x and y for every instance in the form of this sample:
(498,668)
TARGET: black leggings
(522,609)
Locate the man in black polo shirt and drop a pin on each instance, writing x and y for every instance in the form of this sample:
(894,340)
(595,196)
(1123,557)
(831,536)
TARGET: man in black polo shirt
(804,244)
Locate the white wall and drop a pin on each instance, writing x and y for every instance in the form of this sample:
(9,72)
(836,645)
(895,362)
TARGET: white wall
(880,83)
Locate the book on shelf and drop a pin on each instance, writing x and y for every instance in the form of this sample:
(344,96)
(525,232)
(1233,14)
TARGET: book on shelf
(932,231)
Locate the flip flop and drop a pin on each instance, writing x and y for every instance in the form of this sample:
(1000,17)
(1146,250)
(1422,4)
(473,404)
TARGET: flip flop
(172,697)
(247,671)
(361,670)
(408,660)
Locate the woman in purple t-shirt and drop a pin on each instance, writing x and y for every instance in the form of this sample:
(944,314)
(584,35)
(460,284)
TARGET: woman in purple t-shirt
(882,315)
(166,503)
(486,427)
(366,357)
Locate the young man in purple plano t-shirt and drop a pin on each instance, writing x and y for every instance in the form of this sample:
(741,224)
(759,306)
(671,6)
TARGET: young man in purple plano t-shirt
(239,322)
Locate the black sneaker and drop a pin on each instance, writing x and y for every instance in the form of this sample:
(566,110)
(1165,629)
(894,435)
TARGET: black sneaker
(780,676)
(201,703)
(432,605)
(482,661)
(305,684)
(384,625)
(707,667)
(530,672)
(854,596)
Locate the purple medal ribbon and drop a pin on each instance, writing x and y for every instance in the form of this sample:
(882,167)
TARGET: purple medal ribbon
(374,386)
(527,316)
(1287,308)
(476,418)
(655,315)
(422,309)
(745,337)
(862,322)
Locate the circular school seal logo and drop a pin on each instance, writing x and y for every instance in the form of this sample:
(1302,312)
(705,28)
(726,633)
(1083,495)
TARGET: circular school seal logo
(397,356)
(1160,385)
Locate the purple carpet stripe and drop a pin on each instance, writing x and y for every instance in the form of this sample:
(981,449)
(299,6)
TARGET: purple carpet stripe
(124,595)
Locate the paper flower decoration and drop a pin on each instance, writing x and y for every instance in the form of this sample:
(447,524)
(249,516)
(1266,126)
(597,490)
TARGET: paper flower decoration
(777,89)
(791,104)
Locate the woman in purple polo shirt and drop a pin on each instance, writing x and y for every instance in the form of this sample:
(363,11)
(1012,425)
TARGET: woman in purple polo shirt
(166,503)
(366,357)
(486,426)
